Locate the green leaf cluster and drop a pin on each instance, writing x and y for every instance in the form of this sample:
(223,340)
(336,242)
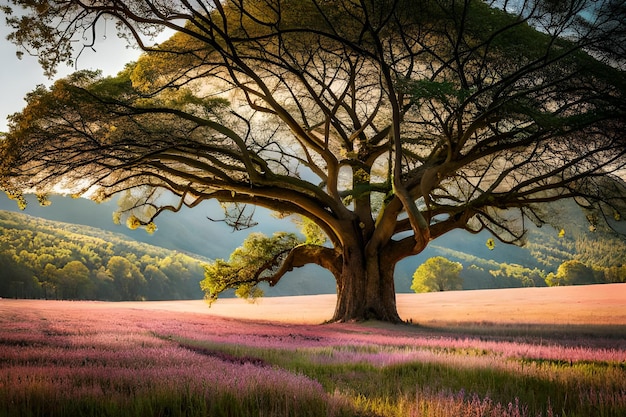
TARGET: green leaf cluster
(429,91)
(249,265)
(313,234)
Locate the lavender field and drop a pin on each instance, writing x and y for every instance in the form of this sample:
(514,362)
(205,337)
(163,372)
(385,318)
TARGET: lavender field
(105,359)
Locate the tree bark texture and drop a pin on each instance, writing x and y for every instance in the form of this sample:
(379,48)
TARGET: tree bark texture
(365,288)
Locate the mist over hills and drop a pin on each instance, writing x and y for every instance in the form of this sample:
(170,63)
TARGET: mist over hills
(188,230)
(191,232)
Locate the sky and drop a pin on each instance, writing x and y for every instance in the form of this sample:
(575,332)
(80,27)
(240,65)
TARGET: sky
(19,76)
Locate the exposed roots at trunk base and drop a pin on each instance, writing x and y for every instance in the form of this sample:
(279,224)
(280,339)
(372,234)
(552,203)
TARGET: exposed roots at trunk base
(396,320)
(387,315)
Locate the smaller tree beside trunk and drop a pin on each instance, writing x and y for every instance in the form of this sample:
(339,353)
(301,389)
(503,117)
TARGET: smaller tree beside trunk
(438,274)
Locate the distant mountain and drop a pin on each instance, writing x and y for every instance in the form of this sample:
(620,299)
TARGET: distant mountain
(191,232)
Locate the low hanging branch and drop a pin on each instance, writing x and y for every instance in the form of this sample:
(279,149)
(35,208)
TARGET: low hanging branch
(248,266)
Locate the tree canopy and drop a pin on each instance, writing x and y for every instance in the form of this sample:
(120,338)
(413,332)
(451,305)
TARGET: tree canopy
(387,123)
(437,274)
(571,273)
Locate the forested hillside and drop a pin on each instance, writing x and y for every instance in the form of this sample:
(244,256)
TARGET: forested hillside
(48,259)
(42,258)
(572,256)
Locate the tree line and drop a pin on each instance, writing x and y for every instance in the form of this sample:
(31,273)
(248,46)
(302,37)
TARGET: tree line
(552,261)
(45,259)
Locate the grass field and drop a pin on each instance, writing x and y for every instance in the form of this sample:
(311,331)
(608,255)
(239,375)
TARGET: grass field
(523,352)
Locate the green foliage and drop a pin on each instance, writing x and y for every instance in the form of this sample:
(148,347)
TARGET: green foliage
(438,274)
(582,255)
(604,251)
(19,198)
(615,274)
(428,91)
(482,273)
(599,255)
(126,276)
(73,279)
(47,259)
(518,273)
(388,390)
(571,273)
(249,265)
(313,234)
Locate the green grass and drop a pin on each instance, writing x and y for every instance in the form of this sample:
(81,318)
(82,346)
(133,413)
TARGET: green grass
(544,387)
(76,360)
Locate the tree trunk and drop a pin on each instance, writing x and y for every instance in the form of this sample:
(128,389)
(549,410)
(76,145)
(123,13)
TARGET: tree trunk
(365,290)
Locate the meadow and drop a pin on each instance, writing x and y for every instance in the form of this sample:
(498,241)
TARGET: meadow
(554,352)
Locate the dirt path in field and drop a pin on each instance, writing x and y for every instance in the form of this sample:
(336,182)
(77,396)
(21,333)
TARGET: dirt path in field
(576,305)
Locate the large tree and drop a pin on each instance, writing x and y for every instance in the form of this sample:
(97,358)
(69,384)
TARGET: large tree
(387,123)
